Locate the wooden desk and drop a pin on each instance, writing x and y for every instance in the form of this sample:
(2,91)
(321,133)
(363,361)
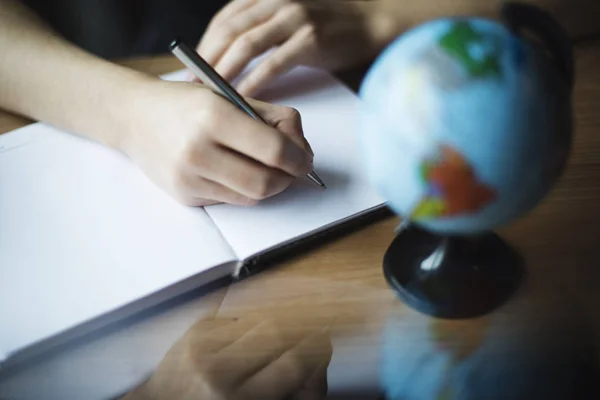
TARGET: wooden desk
(554,314)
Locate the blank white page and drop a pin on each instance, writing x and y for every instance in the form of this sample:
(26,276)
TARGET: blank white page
(329,118)
(84,232)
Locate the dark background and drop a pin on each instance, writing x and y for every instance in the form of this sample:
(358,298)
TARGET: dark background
(122,28)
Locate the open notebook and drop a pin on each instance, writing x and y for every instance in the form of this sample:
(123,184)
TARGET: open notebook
(86,238)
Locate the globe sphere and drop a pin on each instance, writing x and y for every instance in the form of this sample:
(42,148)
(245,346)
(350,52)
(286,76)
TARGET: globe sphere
(465,126)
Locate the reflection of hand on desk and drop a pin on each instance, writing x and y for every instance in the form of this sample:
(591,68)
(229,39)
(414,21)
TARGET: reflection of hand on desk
(279,361)
(344,281)
(144,247)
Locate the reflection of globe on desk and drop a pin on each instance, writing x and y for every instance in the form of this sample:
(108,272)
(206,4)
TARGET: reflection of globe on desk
(455,128)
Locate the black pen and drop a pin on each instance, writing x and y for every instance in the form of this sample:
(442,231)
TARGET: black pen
(210,77)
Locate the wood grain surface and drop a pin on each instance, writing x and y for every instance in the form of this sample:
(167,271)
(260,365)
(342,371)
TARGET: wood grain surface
(340,285)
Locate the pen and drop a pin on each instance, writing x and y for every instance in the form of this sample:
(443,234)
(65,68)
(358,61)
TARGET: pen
(210,77)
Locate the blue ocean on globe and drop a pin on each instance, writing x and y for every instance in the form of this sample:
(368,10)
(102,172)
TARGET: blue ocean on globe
(464,125)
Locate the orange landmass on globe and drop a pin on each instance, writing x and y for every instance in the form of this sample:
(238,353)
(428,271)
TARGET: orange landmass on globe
(452,187)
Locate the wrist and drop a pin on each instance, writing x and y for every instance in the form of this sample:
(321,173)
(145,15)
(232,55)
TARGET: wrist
(131,89)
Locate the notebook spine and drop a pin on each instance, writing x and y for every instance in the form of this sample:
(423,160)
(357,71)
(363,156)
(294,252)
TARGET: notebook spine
(242,269)
(262,261)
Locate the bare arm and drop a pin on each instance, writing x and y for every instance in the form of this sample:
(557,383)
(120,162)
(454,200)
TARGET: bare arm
(174,131)
(44,77)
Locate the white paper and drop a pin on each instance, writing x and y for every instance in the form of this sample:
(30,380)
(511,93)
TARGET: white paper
(329,112)
(83,232)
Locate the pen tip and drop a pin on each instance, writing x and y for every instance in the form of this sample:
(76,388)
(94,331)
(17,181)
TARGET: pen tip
(316,179)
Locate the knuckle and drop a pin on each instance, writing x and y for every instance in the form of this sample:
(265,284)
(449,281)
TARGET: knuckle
(208,116)
(292,114)
(193,154)
(227,33)
(296,10)
(246,44)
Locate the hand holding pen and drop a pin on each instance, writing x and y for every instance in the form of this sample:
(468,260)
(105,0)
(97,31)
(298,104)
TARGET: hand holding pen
(212,79)
(200,149)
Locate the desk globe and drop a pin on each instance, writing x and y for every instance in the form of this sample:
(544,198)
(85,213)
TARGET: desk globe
(466,125)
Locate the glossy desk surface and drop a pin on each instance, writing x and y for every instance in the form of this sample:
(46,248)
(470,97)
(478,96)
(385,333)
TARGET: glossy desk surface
(545,337)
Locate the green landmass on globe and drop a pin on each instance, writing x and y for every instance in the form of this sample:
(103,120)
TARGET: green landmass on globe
(452,187)
(479,54)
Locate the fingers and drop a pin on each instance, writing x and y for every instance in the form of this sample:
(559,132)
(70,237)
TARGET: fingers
(232,8)
(231,158)
(280,61)
(265,144)
(250,353)
(287,374)
(221,177)
(179,372)
(248,180)
(245,359)
(222,32)
(202,341)
(204,192)
(253,43)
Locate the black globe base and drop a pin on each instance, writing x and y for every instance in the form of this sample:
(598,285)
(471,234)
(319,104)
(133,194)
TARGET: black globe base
(451,276)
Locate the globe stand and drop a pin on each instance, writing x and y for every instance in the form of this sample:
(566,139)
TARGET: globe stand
(452,276)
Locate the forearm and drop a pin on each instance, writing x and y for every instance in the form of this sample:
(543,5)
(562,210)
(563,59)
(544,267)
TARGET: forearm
(46,78)
(578,17)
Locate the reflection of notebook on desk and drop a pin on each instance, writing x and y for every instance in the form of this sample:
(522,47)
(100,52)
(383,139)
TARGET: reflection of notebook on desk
(86,239)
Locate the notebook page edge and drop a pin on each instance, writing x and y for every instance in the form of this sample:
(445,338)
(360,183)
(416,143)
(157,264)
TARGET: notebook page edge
(320,229)
(122,314)
(38,132)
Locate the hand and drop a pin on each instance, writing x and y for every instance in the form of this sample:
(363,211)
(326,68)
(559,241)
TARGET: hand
(328,34)
(202,150)
(242,360)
